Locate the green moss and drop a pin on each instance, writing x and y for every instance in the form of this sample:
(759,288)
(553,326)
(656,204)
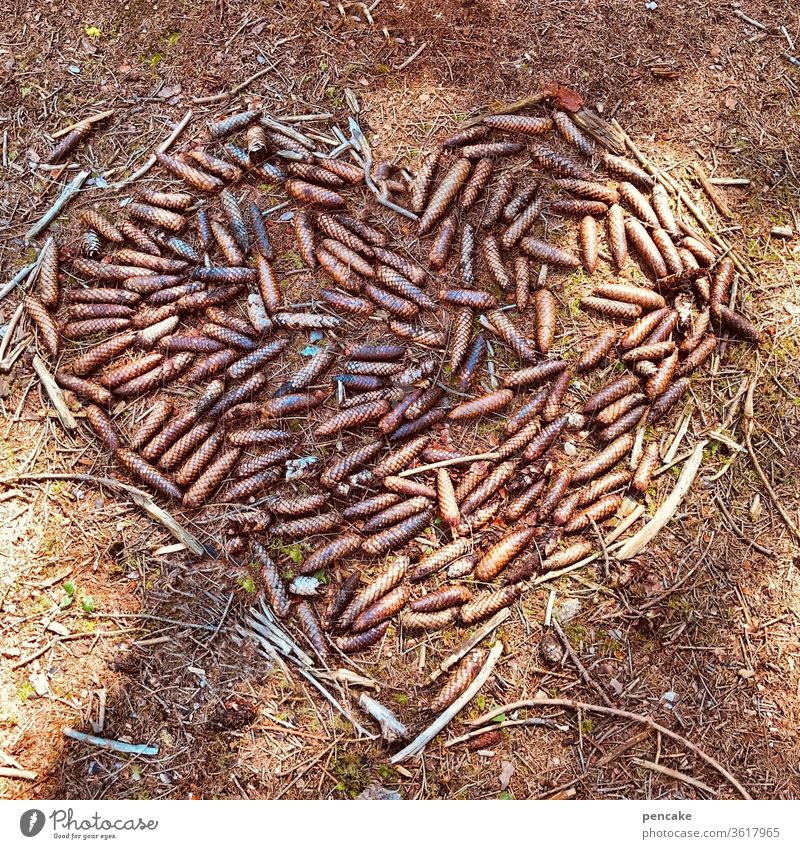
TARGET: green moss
(351,772)
(25,691)
(576,633)
(247,583)
(680,606)
(293,259)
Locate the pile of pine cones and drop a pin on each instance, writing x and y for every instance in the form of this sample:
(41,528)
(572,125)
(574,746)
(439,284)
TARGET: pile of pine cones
(316,411)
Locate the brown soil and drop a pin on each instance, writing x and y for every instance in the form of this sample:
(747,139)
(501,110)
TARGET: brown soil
(702,633)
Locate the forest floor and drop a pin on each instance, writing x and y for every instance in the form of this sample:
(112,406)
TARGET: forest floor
(703,631)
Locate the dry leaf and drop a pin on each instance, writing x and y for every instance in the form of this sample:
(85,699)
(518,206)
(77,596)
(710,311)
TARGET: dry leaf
(716,51)
(565,97)
(730,102)
(506,771)
(168,91)
(755,508)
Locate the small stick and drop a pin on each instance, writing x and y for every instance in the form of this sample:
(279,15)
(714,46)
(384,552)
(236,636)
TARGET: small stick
(357,725)
(729,181)
(767,552)
(624,714)
(666,511)
(748,429)
(469,644)
(676,442)
(715,197)
(453,461)
(299,119)
(792,60)
(392,730)
(358,139)
(347,676)
(403,65)
(506,723)
(673,773)
(162,148)
(70,190)
(19,774)
(92,119)
(623,526)
(274,124)
(417,745)
(599,129)
(111,745)
(557,573)
(752,21)
(274,639)
(31,271)
(10,328)
(138,497)
(548,613)
(54,393)
(16,279)
(224,95)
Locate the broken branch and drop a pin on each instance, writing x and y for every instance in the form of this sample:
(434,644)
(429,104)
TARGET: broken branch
(624,714)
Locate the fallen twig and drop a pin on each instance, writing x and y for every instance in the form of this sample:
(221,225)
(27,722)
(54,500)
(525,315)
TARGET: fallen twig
(224,95)
(162,148)
(300,119)
(9,334)
(272,123)
(578,665)
(54,393)
(673,773)
(359,141)
(43,649)
(139,498)
(469,644)
(752,21)
(666,511)
(17,279)
(111,745)
(611,711)
(599,129)
(506,723)
(623,526)
(714,196)
(262,626)
(70,190)
(453,461)
(405,63)
(92,119)
(19,774)
(768,552)
(422,740)
(792,60)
